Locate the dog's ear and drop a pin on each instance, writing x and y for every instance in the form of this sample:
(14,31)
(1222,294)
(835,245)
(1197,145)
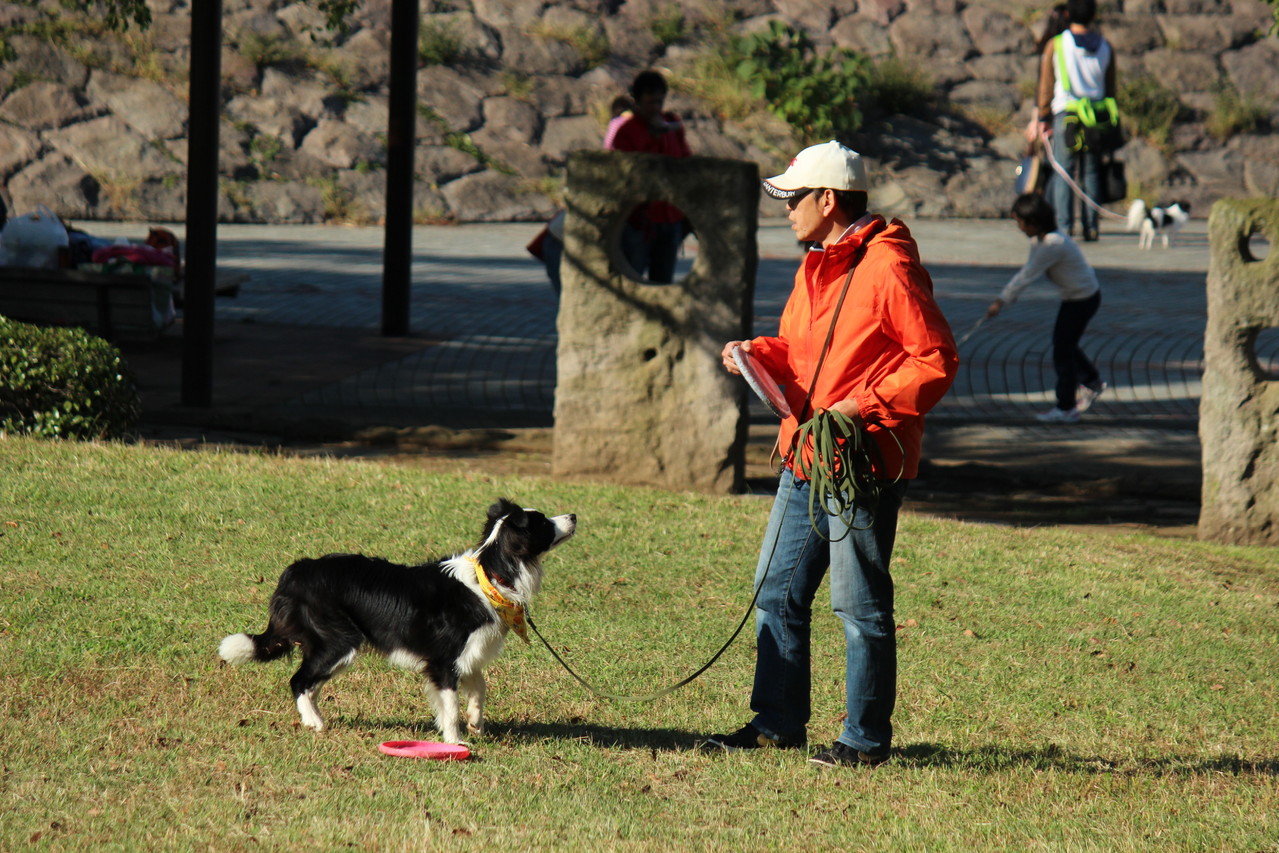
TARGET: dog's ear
(512,512)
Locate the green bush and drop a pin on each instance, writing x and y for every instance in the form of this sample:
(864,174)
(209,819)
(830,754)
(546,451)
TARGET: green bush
(440,43)
(899,87)
(1234,113)
(816,93)
(1149,108)
(63,383)
(669,26)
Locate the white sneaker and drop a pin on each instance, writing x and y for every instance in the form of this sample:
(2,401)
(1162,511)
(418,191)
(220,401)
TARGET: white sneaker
(1059,416)
(1086,396)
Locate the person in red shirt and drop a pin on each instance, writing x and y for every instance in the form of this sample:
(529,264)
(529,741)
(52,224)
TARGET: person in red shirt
(886,357)
(652,236)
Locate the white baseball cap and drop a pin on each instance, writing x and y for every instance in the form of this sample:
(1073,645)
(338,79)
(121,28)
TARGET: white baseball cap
(826,166)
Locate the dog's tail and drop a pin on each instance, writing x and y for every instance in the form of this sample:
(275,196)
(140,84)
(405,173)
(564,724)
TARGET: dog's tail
(239,649)
(1136,214)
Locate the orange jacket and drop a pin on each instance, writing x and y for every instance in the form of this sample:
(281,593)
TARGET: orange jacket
(892,350)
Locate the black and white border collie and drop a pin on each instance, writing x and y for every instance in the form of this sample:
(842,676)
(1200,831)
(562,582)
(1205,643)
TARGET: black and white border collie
(446,619)
(1153,222)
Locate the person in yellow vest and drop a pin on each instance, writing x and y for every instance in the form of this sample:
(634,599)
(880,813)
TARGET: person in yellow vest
(1078,64)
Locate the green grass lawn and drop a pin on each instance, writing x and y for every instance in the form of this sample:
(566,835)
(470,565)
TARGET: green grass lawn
(1058,690)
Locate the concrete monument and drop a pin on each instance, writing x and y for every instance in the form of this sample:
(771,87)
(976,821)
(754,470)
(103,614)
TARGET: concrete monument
(1239,407)
(641,396)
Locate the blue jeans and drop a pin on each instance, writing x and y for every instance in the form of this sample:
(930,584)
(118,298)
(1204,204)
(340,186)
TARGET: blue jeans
(861,596)
(1061,196)
(653,252)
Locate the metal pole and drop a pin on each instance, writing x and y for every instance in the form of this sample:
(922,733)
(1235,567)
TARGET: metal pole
(397,253)
(202,202)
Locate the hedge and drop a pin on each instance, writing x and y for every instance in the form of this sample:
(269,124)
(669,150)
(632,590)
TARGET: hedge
(63,383)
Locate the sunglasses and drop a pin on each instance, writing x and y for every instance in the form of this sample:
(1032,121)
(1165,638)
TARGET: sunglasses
(793,201)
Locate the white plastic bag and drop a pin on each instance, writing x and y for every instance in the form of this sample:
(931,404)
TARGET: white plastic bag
(33,240)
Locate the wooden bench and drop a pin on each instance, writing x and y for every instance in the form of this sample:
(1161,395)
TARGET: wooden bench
(114,306)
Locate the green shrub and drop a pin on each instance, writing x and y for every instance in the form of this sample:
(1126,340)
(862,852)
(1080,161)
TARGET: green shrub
(1234,113)
(816,93)
(1149,108)
(440,43)
(460,141)
(265,51)
(709,77)
(590,43)
(63,383)
(669,26)
(899,87)
(266,147)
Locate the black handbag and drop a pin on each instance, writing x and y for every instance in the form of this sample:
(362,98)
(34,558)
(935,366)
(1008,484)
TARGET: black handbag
(1114,183)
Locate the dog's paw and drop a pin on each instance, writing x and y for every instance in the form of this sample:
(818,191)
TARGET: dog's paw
(475,728)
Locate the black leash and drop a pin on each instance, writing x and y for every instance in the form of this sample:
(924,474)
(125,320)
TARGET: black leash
(621,697)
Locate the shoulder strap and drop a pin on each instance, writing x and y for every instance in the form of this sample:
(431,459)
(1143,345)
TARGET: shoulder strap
(1063,72)
(873,229)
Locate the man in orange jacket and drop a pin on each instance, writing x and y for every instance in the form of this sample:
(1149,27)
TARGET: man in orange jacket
(890,358)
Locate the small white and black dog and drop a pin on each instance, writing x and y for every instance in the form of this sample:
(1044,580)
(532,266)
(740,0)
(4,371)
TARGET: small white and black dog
(1154,222)
(446,619)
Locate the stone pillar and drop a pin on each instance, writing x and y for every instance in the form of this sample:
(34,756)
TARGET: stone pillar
(1239,409)
(641,396)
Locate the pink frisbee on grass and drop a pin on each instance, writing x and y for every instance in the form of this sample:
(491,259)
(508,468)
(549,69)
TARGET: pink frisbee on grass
(426,749)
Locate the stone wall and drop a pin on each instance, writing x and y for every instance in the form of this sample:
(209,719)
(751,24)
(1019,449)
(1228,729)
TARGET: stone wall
(93,124)
(1239,409)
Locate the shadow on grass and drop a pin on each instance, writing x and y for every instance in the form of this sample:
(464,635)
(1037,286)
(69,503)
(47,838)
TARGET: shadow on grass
(666,740)
(1052,757)
(419,728)
(990,759)
(608,737)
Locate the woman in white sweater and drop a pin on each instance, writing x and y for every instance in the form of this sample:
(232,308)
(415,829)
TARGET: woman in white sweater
(1053,255)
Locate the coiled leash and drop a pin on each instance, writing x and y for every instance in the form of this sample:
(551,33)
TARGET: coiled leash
(840,473)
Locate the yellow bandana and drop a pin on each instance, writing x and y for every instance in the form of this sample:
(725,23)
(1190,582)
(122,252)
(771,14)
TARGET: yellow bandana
(511,614)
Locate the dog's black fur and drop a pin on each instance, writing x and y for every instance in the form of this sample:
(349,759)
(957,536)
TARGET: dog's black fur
(433,618)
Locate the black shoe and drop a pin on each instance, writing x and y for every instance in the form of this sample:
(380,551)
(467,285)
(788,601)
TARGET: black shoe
(749,737)
(842,755)
(1090,235)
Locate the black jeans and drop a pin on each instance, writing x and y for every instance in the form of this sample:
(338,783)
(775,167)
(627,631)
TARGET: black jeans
(1072,366)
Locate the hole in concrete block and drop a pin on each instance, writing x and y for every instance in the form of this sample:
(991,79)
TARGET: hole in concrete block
(1254,247)
(1265,353)
(653,253)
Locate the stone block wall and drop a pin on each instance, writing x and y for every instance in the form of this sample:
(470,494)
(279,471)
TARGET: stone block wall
(1239,408)
(641,396)
(93,123)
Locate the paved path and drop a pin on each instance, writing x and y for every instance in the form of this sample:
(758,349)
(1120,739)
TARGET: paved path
(484,316)
(488,305)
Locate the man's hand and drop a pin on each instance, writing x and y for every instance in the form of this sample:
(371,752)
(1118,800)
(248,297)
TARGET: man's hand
(726,356)
(848,408)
